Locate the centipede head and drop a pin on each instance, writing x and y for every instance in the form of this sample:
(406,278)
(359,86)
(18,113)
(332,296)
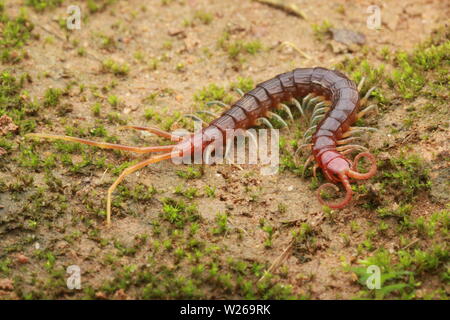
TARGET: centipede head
(194,147)
(341,170)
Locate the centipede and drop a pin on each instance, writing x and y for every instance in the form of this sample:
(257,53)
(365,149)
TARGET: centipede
(330,99)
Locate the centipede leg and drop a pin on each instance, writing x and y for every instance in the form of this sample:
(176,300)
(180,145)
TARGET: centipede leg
(240,92)
(316,166)
(301,147)
(298,106)
(309,130)
(216,102)
(312,102)
(276,116)
(288,111)
(363,101)
(306,164)
(354,130)
(361,83)
(351,146)
(347,140)
(317,118)
(196,118)
(212,114)
(362,113)
(263,120)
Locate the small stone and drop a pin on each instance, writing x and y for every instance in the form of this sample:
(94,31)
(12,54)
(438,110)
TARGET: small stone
(348,37)
(22,259)
(290,188)
(6,284)
(7,125)
(101,295)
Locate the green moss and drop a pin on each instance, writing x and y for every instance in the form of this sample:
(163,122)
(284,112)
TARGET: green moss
(403,177)
(179,213)
(203,17)
(244,84)
(41,5)
(400,272)
(190,173)
(95,6)
(15,34)
(212,92)
(52,97)
(222,224)
(115,67)
(322,31)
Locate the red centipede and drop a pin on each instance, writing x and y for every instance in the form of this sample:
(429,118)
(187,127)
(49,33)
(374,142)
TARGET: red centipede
(336,102)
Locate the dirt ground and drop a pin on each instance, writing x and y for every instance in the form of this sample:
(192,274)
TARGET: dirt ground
(212,232)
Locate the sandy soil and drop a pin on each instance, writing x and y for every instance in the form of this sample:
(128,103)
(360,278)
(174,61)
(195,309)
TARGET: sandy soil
(189,59)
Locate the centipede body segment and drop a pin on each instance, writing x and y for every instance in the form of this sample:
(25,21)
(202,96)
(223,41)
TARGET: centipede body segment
(335,101)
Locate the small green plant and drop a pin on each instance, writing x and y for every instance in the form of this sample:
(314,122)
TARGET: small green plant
(178,213)
(222,224)
(96,108)
(203,17)
(321,31)
(52,97)
(115,67)
(404,176)
(212,92)
(41,5)
(189,173)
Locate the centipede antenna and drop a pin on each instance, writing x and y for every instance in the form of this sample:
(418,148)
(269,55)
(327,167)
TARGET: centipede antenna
(263,120)
(102,145)
(216,102)
(276,116)
(288,111)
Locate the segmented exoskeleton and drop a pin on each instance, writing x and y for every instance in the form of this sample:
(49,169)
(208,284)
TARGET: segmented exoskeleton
(331,97)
